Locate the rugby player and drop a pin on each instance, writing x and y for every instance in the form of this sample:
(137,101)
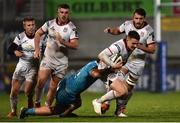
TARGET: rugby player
(27,67)
(61,35)
(136,62)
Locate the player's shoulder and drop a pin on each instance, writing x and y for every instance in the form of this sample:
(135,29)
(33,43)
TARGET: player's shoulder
(71,25)
(119,42)
(49,22)
(21,35)
(91,64)
(128,22)
(148,28)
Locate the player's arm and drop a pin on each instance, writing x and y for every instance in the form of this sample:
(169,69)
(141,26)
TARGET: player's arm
(13,49)
(73,43)
(150,48)
(37,37)
(105,55)
(113,31)
(151,44)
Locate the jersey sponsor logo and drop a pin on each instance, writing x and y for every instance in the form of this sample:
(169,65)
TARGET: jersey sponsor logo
(65,29)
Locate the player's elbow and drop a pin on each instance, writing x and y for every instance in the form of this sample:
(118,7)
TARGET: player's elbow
(39,33)
(100,55)
(75,46)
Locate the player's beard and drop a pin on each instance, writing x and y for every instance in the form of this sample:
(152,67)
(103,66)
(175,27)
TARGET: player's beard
(138,25)
(64,19)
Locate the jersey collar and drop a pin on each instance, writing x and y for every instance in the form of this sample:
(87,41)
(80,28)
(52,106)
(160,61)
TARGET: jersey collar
(60,23)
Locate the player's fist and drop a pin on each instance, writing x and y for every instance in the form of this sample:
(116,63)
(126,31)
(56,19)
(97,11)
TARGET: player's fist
(57,36)
(36,54)
(107,30)
(18,53)
(117,65)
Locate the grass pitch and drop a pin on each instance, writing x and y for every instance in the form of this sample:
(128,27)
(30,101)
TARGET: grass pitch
(143,107)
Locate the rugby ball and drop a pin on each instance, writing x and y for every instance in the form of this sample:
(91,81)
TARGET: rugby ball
(116,58)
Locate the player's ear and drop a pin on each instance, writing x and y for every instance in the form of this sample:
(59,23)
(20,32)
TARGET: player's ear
(24,23)
(95,73)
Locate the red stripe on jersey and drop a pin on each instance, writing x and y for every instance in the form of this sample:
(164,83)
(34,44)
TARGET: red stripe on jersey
(42,30)
(110,50)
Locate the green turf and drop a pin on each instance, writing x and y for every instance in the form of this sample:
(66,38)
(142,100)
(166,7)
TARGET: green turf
(143,107)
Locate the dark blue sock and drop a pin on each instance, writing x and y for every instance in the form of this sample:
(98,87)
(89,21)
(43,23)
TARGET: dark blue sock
(30,111)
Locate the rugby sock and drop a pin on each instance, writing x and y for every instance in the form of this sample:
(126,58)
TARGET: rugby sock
(13,103)
(30,111)
(108,96)
(107,90)
(122,101)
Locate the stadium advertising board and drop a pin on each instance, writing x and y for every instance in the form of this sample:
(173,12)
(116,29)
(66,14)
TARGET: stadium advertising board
(100,8)
(172,84)
(108,8)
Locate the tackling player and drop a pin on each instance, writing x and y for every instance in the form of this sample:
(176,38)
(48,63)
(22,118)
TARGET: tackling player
(27,67)
(68,92)
(136,61)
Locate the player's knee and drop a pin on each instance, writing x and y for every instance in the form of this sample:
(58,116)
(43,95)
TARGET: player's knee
(120,87)
(52,87)
(123,92)
(27,93)
(40,84)
(79,104)
(14,92)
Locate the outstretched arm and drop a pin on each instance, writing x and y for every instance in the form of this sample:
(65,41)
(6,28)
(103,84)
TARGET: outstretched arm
(113,31)
(150,48)
(37,37)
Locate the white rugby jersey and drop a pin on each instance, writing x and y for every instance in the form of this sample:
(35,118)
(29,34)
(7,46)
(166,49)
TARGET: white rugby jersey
(54,52)
(118,47)
(28,47)
(146,35)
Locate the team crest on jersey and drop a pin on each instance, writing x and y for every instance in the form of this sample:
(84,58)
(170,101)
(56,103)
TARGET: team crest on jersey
(142,34)
(65,29)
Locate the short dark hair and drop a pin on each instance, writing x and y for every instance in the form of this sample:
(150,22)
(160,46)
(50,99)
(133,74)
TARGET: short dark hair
(28,18)
(140,11)
(64,5)
(133,34)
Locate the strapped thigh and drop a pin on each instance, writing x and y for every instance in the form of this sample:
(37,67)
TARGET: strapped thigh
(132,79)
